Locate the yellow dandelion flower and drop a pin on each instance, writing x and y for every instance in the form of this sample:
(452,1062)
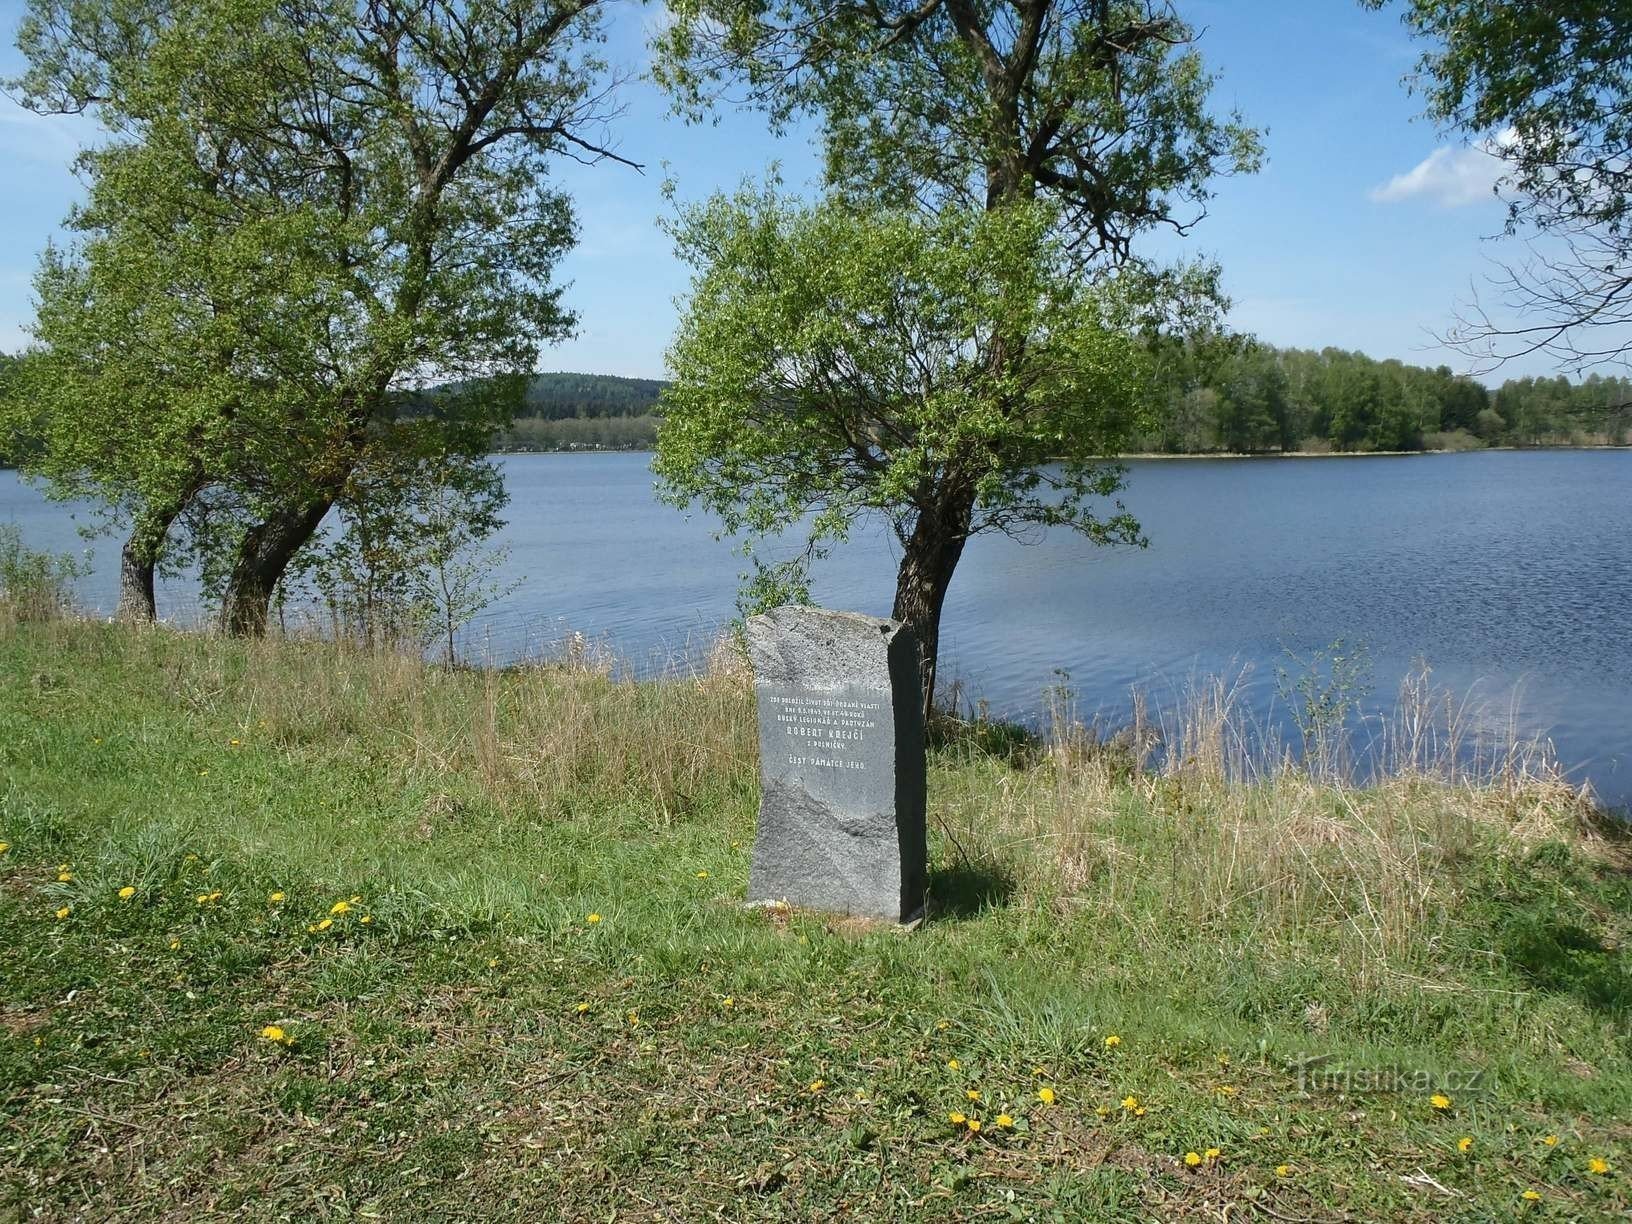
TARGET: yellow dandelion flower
(1225,1090)
(1464,1144)
(634,1019)
(321,926)
(702,875)
(64,912)
(277,898)
(126,893)
(942,1025)
(953,1064)
(340,907)
(1440,1101)
(366,919)
(1005,1121)
(492,962)
(972,1093)
(956,1118)
(728,1001)
(203,898)
(1192,1159)
(1283,1170)
(65,877)
(1046,1095)
(974,1126)
(174,943)
(1112,1041)
(1531,1196)
(1597,1166)
(1130,1102)
(4,846)
(1138,1111)
(1102,1110)
(593,919)
(818,1087)
(232,743)
(273,1033)
(1550,1140)
(582,1008)
(1212,1153)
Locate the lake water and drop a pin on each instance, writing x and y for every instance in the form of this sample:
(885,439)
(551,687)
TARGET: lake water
(1509,572)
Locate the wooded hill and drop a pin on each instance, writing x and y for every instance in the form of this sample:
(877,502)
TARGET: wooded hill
(1257,400)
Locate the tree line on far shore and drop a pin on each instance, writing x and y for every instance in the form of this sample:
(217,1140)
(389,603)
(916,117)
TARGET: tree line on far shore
(1253,399)
(1257,400)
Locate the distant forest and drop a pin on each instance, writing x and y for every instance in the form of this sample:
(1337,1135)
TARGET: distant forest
(1258,400)
(585,412)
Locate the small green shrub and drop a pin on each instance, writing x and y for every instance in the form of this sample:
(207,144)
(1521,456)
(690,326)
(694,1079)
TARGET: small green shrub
(35,586)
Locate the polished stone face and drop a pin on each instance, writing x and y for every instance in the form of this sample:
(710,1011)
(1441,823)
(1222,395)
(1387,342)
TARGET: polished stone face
(841,820)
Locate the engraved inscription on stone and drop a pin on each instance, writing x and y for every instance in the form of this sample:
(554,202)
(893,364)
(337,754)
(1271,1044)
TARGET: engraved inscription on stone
(841,818)
(828,726)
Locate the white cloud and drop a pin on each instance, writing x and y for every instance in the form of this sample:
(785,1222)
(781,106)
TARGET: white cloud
(1450,176)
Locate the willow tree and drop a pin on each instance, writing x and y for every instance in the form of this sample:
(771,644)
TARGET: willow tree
(1076,127)
(343,200)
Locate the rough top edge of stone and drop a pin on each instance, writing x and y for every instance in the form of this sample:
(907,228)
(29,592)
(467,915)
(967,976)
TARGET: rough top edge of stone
(821,648)
(776,617)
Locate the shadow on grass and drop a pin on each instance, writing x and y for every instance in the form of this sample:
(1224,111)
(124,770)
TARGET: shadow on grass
(1554,926)
(965,890)
(1560,957)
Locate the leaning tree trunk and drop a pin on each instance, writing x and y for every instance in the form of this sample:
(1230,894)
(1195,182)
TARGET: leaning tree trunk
(928,558)
(139,560)
(263,556)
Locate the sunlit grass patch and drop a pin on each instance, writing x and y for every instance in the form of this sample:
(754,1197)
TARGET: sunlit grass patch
(528,993)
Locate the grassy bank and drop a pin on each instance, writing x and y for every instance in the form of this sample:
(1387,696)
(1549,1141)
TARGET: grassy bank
(403,943)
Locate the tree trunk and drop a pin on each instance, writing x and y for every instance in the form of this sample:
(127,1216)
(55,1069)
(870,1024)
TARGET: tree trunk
(139,560)
(928,559)
(265,553)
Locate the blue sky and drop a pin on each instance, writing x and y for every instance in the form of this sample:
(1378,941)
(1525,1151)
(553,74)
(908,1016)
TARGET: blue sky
(1364,230)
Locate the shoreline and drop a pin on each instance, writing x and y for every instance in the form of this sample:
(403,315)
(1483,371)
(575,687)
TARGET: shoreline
(1299,454)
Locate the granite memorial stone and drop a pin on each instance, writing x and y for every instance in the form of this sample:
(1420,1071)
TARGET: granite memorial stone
(841,741)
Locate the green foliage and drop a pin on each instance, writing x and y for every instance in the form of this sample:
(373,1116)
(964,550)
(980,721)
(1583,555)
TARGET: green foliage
(1101,108)
(1322,692)
(35,585)
(834,364)
(453,581)
(1255,398)
(405,564)
(305,210)
(1077,129)
(555,397)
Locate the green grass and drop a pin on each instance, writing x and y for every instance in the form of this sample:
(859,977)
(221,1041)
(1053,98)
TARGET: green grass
(479,1049)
